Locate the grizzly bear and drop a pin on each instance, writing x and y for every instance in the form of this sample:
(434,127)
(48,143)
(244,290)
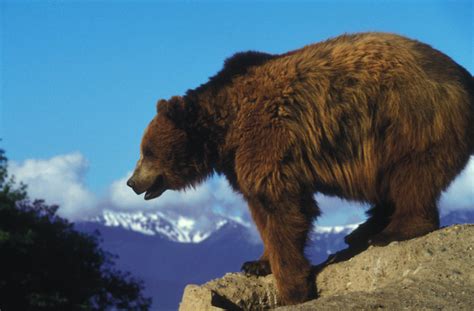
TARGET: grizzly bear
(371,117)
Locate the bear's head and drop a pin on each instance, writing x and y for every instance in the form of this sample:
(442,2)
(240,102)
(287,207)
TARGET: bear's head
(169,158)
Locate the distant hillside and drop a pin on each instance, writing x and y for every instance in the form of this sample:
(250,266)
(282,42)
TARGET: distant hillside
(458,217)
(167,266)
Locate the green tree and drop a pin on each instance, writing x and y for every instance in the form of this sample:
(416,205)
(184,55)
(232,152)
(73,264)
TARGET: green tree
(47,265)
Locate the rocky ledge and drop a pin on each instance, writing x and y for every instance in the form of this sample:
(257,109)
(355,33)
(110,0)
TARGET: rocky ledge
(433,272)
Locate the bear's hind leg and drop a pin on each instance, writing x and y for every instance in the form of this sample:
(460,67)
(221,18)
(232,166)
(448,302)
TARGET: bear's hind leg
(408,224)
(378,219)
(414,188)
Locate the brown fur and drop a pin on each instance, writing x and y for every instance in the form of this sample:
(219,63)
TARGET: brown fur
(371,117)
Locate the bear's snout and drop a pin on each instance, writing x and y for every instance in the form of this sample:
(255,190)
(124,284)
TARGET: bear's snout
(132,184)
(153,189)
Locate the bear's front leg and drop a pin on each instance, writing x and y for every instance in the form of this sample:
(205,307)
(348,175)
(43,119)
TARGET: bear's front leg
(260,267)
(268,169)
(287,228)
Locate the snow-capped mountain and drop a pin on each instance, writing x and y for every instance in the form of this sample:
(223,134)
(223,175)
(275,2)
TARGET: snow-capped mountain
(177,229)
(334,229)
(168,256)
(182,229)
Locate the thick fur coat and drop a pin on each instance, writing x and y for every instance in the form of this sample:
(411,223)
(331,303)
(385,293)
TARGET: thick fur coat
(371,117)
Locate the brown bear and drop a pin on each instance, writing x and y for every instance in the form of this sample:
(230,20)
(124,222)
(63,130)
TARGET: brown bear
(371,117)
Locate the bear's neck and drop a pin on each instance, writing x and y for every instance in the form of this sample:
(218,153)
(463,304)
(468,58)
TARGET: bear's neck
(215,112)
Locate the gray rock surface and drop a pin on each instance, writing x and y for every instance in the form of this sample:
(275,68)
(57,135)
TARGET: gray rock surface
(433,272)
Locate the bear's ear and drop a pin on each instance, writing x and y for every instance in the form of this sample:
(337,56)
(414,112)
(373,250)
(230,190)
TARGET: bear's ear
(175,109)
(161,105)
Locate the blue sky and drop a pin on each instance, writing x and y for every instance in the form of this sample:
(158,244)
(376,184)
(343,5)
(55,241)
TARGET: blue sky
(83,77)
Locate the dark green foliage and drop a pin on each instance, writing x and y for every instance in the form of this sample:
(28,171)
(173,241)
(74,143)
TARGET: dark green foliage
(46,265)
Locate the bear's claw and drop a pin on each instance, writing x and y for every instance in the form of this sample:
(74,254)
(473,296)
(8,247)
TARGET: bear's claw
(257,268)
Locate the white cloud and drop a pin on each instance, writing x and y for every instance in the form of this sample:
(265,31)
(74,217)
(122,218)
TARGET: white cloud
(58,180)
(460,194)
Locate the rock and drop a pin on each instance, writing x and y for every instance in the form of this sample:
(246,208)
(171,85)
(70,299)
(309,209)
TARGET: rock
(432,272)
(199,298)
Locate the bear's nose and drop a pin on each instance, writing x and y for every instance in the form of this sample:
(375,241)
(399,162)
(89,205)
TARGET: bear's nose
(131,183)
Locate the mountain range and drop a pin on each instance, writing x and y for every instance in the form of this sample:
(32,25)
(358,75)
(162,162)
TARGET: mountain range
(170,251)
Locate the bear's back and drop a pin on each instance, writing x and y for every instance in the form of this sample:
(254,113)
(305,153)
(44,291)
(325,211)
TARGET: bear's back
(372,81)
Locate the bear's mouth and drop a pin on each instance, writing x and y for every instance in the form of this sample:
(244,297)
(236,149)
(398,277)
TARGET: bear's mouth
(156,189)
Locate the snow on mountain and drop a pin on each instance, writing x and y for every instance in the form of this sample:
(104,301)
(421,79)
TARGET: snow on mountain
(177,229)
(334,229)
